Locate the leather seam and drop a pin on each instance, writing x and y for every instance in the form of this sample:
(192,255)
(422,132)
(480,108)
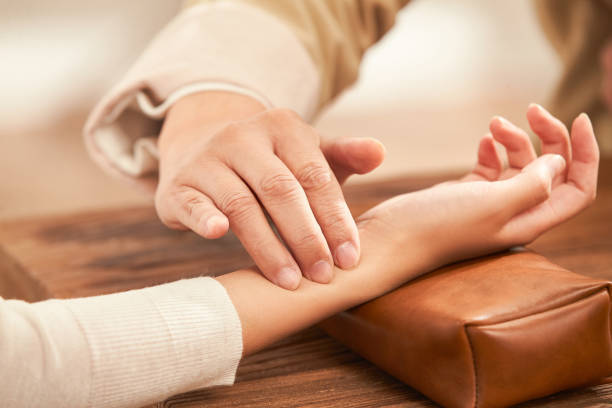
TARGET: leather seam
(605,289)
(474,364)
(543,310)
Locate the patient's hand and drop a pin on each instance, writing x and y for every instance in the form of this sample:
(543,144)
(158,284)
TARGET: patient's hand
(489,209)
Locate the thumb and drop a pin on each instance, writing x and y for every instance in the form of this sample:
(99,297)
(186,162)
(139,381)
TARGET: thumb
(352,155)
(533,184)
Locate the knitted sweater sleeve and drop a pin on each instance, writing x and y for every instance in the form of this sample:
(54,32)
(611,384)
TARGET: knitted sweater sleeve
(118,350)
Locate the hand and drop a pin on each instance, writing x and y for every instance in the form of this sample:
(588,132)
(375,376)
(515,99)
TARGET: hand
(489,209)
(225,162)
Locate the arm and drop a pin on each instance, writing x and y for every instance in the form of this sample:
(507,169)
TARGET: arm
(224,155)
(137,347)
(488,210)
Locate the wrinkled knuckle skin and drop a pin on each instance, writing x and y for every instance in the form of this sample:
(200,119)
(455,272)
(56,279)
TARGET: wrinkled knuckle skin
(279,186)
(307,240)
(313,176)
(336,220)
(237,205)
(188,204)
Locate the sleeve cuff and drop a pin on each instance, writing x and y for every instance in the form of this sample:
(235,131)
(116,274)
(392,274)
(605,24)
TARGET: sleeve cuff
(214,46)
(149,344)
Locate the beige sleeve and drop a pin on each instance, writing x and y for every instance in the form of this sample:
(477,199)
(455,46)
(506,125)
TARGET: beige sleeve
(212,46)
(296,54)
(579,30)
(336,33)
(120,350)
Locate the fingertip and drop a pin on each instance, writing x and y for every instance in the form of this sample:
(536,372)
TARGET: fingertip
(585,118)
(216,226)
(365,154)
(555,164)
(321,272)
(378,146)
(582,126)
(535,108)
(496,123)
(288,278)
(346,255)
(487,141)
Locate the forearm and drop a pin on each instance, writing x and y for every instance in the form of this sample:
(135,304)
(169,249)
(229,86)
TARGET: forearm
(269,313)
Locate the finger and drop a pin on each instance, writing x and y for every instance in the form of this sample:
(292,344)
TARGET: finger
(197,212)
(585,164)
(517,143)
(326,200)
(285,200)
(248,221)
(551,131)
(348,156)
(532,185)
(569,198)
(489,165)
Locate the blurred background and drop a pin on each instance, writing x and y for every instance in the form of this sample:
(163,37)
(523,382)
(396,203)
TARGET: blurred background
(427,91)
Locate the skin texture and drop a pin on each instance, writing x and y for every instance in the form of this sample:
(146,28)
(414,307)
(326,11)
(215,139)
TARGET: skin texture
(489,209)
(227,162)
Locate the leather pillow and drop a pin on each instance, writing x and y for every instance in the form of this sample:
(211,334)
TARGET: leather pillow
(487,333)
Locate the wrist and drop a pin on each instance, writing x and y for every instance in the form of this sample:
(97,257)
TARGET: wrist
(198,115)
(387,261)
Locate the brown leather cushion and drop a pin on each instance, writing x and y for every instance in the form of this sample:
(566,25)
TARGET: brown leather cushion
(487,333)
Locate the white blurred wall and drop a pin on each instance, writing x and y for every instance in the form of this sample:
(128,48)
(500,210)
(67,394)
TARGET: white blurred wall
(59,56)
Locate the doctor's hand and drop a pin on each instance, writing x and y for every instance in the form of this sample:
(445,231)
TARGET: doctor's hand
(227,162)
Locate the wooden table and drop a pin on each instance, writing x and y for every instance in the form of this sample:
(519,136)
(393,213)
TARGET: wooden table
(108,251)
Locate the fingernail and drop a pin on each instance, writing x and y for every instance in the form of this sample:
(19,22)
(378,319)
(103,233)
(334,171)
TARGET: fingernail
(346,255)
(556,164)
(288,278)
(321,272)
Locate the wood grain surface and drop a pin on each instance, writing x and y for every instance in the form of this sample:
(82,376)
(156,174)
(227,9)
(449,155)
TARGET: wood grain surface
(108,251)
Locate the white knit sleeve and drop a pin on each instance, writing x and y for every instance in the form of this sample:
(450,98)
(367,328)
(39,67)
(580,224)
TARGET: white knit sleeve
(119,350)
(213,46)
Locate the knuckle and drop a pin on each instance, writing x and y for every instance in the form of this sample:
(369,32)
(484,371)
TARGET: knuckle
(166,204)
(190,203)
(337,220)
(314,176)
(258,248)
(306,240)
(279,186)
(237,205)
